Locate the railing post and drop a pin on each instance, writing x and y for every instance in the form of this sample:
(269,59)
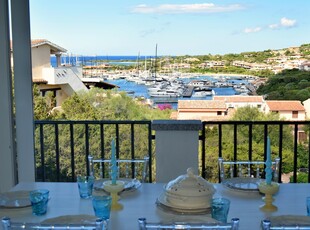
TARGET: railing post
(176,144)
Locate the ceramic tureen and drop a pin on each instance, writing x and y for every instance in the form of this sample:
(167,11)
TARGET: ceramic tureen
(189,191)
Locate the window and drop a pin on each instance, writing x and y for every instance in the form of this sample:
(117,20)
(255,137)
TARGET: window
(294,114)
(219,113)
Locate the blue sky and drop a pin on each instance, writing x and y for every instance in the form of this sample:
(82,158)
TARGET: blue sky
(179,27)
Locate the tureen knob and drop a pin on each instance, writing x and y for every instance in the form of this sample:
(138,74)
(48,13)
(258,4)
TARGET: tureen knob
(190,172)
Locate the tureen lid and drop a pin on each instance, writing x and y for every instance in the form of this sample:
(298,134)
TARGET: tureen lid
(190,185)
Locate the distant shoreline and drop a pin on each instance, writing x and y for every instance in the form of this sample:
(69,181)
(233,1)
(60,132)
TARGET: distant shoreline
(186,75)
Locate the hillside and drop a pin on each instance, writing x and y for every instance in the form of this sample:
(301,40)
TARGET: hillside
(264,63)
(302,51)
(288,85)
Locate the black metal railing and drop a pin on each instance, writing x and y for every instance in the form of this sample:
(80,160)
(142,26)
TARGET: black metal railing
(246,140)
(62,147)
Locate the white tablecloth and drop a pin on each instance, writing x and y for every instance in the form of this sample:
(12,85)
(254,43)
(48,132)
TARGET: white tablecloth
(65,200)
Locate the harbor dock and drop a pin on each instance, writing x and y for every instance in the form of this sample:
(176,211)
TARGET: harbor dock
(188,91)
(165,99)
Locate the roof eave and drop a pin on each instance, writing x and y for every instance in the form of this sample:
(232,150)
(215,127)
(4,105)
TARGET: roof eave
(55,48)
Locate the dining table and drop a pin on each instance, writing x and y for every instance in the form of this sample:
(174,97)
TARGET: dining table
(141,202)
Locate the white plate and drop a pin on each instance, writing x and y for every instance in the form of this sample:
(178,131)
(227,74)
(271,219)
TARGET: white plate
(166,206)
(17,199)
(130,184)
(71,219)
(290,220)
(247,184)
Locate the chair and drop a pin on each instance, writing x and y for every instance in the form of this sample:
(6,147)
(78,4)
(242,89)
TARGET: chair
(266,225)
(7,224)
(128,168)
(246,169)
(143,225)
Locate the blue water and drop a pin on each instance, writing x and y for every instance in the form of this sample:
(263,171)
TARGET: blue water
(141,90)
(91,60)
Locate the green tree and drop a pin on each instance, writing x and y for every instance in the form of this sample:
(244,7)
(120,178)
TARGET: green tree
(96,104)
(79,107)
(247,114)
(288,85)
(42,106)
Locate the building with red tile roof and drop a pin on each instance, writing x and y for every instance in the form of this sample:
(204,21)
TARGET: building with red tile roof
(202,110)
(41,51)
(61,80)
(291,110)
(237,101)
(223,107)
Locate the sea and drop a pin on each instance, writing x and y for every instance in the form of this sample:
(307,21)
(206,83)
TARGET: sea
(141,90)
(77,60)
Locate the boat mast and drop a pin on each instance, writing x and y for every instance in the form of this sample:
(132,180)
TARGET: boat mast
(138,64)
(155,64)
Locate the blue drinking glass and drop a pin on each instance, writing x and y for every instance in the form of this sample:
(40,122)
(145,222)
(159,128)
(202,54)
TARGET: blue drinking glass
(85,185)
(220,209)
(39,199)
(102,206)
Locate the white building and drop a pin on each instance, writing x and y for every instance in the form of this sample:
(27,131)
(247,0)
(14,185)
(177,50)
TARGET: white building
(213,64)
(305,66)
(63,81)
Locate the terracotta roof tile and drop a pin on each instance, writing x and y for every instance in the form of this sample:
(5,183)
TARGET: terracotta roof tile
(239,98)
(39,80)
(54,47)
(201,104)
(37,41)
(215,118)
(285,105)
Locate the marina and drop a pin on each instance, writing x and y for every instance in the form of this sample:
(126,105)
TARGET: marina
(164,85)
(170,90)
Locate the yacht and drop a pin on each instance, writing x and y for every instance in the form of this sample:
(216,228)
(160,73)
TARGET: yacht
(206,90)
(200,94)
(164,93)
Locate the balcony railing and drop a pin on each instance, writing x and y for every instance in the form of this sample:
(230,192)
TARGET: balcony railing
(62,147)
(246,140)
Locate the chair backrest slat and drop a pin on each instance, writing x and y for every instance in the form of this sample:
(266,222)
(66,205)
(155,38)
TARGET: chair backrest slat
(144,225)
(267,225)
(7,224)
(127,168)
(246,168)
